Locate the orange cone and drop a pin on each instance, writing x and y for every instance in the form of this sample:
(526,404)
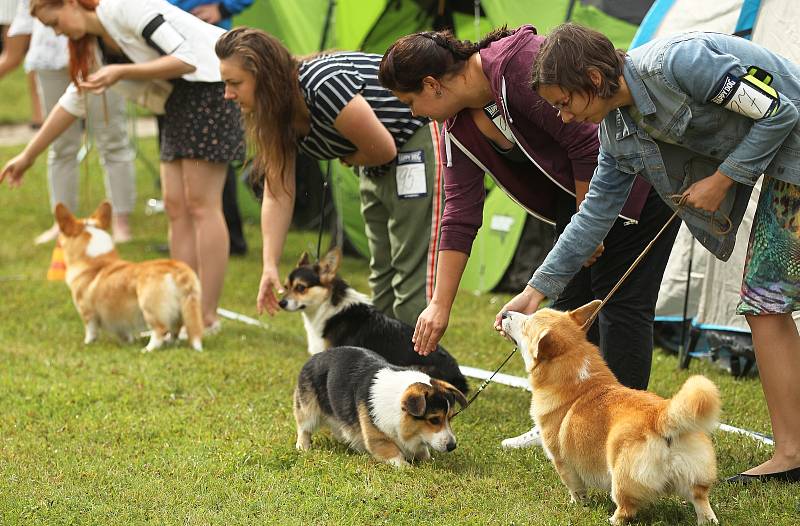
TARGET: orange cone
(58,267)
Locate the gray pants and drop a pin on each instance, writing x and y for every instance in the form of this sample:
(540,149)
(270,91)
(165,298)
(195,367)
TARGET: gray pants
(403,233)
(111,139)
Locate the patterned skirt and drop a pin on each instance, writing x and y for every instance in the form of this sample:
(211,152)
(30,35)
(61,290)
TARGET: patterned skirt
(200,124)
(771,283)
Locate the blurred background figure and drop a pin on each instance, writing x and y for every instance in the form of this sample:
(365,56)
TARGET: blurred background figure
(46,57)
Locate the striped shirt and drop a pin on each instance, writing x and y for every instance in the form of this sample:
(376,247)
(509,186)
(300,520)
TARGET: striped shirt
(329,82)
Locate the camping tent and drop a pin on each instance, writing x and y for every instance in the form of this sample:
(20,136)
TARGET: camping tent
(711,291)
(311,25)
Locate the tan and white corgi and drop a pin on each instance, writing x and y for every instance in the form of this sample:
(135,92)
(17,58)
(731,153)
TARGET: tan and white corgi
(601,434)
(124,297)
(394,413)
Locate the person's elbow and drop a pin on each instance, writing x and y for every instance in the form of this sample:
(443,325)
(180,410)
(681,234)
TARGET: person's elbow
(380,154)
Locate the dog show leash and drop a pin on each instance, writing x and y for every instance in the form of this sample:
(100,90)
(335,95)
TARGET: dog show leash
(485,383)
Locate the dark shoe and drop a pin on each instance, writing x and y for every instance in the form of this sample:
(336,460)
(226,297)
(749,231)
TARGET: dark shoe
(791,475)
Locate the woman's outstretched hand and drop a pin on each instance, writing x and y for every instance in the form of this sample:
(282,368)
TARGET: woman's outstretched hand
(15,169)
(431,324)
(270,283)
(525,302)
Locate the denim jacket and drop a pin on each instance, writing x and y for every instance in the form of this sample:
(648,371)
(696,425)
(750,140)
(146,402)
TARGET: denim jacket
(676,134)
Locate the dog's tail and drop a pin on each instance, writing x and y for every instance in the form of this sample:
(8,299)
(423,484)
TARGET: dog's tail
(694,408)
(191,310)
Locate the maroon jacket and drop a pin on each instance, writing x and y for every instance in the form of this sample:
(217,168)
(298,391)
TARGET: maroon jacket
(564,152)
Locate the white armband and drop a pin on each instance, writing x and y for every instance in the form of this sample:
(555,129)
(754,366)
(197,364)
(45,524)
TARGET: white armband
(749,95)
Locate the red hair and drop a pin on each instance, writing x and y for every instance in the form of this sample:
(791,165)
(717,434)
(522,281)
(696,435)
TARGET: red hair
(81,51)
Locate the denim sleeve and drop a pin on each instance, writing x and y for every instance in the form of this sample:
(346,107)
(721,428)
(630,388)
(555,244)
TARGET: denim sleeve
(749,158)
(608,191)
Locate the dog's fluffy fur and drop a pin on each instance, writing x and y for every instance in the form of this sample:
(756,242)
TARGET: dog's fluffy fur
(122,297)
(337,315)
(393,413)
(599,433)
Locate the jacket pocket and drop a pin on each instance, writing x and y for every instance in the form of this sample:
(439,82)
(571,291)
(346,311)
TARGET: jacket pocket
(632,164)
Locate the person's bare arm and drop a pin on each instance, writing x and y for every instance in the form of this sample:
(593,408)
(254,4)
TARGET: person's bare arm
(14,49)
(359,125)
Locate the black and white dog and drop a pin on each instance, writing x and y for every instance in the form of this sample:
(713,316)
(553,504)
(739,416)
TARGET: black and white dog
(337,315)
(394,413)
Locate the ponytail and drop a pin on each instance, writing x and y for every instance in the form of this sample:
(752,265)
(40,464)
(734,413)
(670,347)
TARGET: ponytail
(436,54)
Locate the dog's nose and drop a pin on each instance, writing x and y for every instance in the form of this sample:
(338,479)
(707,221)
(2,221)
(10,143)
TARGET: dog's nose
(505,315)
(451,446)
(283,303)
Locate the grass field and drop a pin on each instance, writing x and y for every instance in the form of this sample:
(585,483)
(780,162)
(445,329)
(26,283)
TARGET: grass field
(107,435)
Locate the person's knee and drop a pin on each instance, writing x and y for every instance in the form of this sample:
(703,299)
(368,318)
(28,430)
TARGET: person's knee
(174,206)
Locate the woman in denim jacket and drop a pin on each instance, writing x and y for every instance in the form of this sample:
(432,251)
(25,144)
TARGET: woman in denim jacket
(699,115)
(496,124)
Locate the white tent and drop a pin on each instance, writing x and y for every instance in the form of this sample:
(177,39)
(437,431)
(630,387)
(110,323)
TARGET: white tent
(713,288)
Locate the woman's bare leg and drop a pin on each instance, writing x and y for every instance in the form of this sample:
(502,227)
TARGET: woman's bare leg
(777,346)
(181,227)
(203,184)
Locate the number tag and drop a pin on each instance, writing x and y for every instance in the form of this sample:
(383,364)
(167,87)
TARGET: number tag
(747,95)
(410,175)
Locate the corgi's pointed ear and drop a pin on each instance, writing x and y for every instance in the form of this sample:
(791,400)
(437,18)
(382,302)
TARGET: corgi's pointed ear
(414,400)
(329,265)
(102,216)
(303,261)
(582,314)
(67,223)
(541,348)
(453,390)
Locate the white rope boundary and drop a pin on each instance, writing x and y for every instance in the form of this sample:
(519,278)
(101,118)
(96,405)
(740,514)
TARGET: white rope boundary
(500,378)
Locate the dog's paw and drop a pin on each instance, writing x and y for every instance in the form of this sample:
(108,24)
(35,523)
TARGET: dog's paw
(302,445)
(707,519)
(398,462)
(423,454)
(618,519)
(577,497)
(145,350)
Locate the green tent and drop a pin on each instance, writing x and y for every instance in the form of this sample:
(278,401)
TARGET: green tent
(308,26)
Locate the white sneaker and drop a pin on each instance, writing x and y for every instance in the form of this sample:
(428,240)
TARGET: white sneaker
(527,439)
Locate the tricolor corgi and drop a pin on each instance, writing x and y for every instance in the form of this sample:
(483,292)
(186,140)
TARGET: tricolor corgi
(601,434)
(122,297)
(337,315)
(394,413)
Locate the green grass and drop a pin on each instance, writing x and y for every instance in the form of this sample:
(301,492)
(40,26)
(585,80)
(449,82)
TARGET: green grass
(107,435)
(15,103)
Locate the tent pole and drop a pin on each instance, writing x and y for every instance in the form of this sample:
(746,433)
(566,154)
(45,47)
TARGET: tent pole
(328,22)
(570,8)
(477,19)
(683,359)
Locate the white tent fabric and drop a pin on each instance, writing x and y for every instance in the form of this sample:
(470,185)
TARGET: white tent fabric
(714,284)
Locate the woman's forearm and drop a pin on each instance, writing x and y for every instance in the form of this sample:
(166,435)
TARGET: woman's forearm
(450,268)
(276,216)
(56,123)
(166,67)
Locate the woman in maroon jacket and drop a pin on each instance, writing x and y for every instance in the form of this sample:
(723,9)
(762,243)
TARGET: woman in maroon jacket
(496,124)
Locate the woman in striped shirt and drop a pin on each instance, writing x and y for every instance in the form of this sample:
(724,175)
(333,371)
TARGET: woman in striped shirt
(332,106)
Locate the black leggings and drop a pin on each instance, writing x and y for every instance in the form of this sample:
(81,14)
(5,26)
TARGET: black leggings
(624,328)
